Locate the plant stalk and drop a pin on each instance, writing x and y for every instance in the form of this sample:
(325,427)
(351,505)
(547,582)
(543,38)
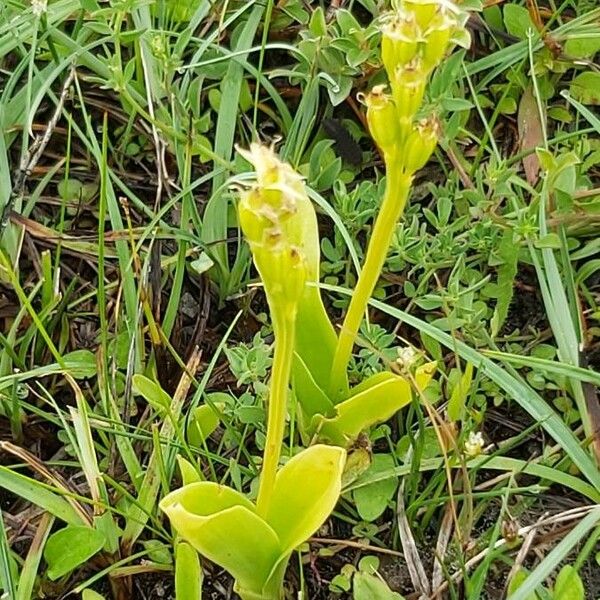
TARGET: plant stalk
(284,330)
(394,200)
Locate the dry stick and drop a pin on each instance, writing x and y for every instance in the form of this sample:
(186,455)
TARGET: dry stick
(50,475)
(441,547)
(522,554)
(567,515)
(33,155)
(416,570)
(358,545)
(159,145)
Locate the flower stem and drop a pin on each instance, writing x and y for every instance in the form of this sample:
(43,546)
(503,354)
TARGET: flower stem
(284,330)
(394,200)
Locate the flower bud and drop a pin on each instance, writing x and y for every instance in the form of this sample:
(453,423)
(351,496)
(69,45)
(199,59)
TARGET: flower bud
(408,89)
(382,119)
(420,145)
(399,40)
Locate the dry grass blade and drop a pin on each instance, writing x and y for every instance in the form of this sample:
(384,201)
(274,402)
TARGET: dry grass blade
(418,576)
(530,134)
(51,476)
(31,159)
(440,549)
(573,514)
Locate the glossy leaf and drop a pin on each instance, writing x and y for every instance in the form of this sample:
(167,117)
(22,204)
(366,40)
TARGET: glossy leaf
(372,500)
(91,595)
(222,525)
(306,491)
(568,585)
(151,392)
(70,547)
(374,401)
(204,421)
(366,586)
(189,474)
(188,573)
(311,397)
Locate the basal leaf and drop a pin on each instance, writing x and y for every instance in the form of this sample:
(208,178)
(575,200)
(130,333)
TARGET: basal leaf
(222,525)
(311,397)
(151,392)
(370,587)
(306,490)
(517,20)
(373,401)
(586,88)
(188,572)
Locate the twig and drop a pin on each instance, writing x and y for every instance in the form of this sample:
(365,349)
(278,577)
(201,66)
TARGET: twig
(567,515)
(523,552)
(441,547)
(416,570)
(358,545)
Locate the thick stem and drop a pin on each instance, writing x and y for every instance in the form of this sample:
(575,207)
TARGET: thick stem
(394,201)
(284,330)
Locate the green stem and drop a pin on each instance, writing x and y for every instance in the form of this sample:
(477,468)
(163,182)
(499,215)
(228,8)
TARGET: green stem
(394,200)
(284,330)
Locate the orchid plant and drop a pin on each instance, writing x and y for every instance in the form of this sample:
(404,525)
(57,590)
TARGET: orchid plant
(253,540)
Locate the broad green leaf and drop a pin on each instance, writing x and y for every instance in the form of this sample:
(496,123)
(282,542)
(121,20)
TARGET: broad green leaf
(70,547)
(80,364)
(582,47)
(586,88)
(315,336)
(568,585)
(188,573)
(517,20)
(91,595)
(516,581)
(189,474)
(311,397)
(372,500)
(370,587)
(222,525)
(308,487)
(204,421)
(373,401)
(151,392)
